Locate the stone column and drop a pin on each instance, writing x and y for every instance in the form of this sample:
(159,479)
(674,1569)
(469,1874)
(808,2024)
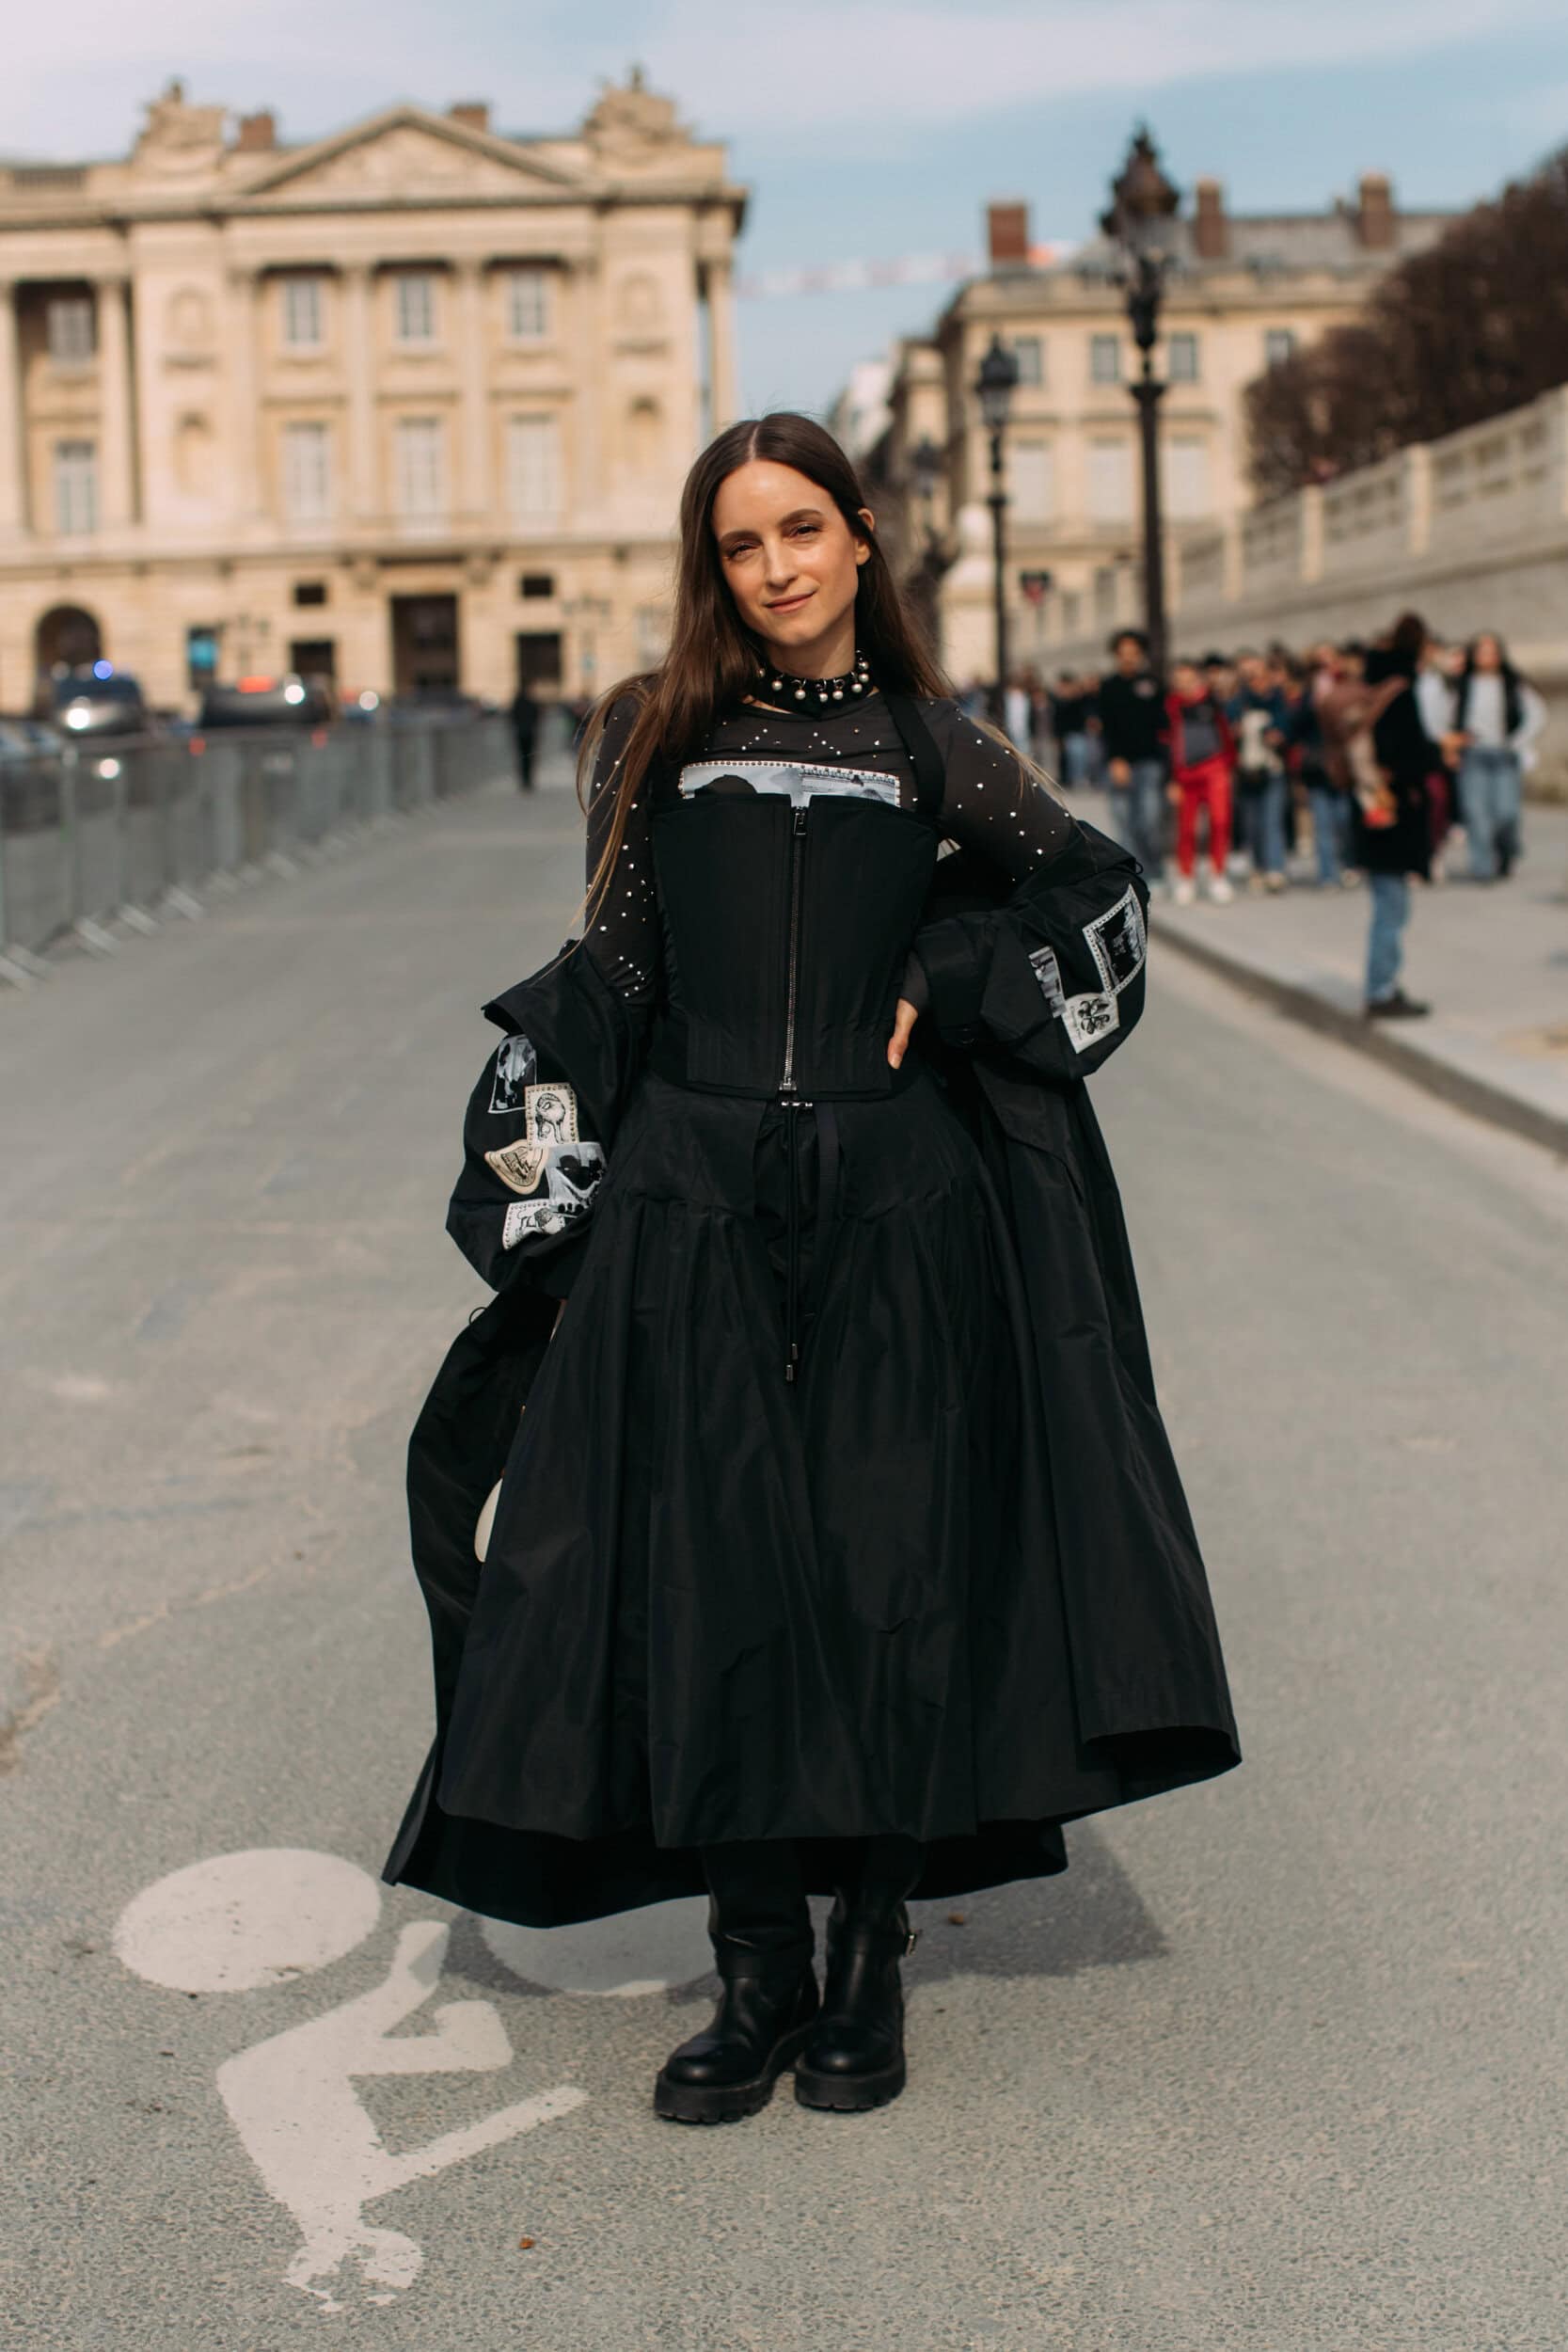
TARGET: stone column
(473,396)
(357,282)
(13,495)
(116,485)
(244,407)
(720,345)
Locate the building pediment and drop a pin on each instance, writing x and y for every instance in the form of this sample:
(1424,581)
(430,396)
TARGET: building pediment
(408,156)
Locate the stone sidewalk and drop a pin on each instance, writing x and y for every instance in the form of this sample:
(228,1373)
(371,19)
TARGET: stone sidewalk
(1492,960)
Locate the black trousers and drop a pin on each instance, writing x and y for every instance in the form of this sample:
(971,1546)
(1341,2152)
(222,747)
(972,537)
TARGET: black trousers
(758,1887)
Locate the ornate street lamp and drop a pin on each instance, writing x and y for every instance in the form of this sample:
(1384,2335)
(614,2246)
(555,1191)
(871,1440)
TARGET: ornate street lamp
(1142,206)
(926,465)
(993,389)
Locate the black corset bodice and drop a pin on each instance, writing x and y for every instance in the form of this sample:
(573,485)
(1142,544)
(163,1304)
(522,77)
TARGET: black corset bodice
(785,929)
(788,894)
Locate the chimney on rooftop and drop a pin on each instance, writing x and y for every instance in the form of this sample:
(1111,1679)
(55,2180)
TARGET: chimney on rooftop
(1211,229)
(472,112)
(1007,235)
(1374,210)
(258,133)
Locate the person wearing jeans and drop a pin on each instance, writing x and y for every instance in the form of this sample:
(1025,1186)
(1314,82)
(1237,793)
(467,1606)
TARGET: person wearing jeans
(1259,718)
(1392,822)
(1132,727)
(1497,716)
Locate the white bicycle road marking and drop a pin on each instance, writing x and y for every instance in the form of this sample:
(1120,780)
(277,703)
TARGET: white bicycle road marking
(237,1922)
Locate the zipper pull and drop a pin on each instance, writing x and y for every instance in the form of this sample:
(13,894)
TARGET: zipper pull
(800,818)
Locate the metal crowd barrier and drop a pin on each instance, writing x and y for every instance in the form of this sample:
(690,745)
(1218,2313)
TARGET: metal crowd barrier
(132,830)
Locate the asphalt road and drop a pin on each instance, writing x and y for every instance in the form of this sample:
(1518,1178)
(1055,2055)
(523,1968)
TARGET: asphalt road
(1280,2064)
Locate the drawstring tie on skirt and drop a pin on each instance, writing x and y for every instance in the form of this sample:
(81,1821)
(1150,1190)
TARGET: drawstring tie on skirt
(798,1306)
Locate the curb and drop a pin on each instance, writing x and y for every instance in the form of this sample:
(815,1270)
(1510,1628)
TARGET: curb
(1458,1087)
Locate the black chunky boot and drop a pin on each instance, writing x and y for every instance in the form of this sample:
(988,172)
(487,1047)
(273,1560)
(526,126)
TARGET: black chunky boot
(855,2058)
(760,1926)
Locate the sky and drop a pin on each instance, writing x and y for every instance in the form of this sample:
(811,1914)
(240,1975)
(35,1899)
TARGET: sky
(865,129)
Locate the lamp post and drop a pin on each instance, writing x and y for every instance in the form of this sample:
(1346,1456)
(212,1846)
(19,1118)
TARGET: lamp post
(993,389)
(1143,205)
(926,465)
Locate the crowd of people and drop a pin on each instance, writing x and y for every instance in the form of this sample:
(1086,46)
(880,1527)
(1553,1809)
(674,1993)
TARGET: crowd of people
(1350,764)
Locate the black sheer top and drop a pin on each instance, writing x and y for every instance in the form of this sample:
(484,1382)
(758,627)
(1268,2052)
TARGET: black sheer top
(992,803)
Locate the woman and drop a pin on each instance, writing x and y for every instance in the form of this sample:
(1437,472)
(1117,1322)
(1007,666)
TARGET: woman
(1393,821)
(839,1548)
(1304,732)
(1497,716)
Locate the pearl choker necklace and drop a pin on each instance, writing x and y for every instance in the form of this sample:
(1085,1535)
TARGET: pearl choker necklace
(827,689)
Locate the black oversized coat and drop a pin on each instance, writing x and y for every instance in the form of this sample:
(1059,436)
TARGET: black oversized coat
(945,1583)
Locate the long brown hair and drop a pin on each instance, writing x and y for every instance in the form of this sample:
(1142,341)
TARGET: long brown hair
(713,658)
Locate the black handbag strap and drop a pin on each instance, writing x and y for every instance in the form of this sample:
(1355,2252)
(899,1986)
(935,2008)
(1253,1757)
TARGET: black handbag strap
(930,773)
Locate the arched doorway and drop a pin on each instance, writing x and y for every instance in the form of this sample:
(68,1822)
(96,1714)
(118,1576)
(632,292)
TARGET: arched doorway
(67,638)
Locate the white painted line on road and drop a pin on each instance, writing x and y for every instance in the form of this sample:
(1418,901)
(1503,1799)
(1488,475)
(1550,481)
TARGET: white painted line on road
(238,1922)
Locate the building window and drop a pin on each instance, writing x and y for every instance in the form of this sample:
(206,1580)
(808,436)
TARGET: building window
(421,460)
(307,473)
(1279,344)
(309,592)
(1033,479)
(314,658)
(1187,477)
(71,329)
(533,465)
(527,305)
(1029,352)
(1105,358)
(1110,482)
(413,291)
(1182,359)
(75,486)
(536,584)
(302,314)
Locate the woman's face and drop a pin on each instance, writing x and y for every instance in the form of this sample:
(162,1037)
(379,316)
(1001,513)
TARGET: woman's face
(789,559)
(1489,654)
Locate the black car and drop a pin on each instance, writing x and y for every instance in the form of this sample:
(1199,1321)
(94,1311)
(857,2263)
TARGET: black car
(265,701)
(85,704)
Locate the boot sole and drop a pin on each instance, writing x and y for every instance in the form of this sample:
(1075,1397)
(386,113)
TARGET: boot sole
(727,2103)
(849,2094)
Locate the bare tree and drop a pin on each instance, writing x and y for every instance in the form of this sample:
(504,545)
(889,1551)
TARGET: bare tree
(1476,324)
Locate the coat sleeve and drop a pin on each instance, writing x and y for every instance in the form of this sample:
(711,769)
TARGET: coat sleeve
(1054,978)
(540,1124)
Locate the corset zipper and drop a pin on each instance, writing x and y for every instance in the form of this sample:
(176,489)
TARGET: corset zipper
(796,861)
(790,1138)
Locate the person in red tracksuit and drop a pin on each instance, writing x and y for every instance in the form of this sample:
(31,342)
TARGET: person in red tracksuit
(1202,763)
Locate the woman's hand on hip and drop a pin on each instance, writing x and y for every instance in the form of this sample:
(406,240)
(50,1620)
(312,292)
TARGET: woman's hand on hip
(903,1024)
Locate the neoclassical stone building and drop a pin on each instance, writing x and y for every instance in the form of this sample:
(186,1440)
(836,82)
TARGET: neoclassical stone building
(410,405)
(1244,291)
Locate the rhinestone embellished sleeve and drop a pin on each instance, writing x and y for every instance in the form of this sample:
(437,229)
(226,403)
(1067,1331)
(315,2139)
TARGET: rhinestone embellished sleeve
(623,936)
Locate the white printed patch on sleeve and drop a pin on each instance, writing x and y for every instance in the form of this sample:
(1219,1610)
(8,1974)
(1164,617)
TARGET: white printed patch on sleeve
(551,1112)
(519,1165)
(1118,942)
(516,1067)
(1043,963)
(1088,1018)
(538,1215)
(574,1175)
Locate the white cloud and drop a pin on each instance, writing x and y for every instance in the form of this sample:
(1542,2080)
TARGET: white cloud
(829,64)
(802,77)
